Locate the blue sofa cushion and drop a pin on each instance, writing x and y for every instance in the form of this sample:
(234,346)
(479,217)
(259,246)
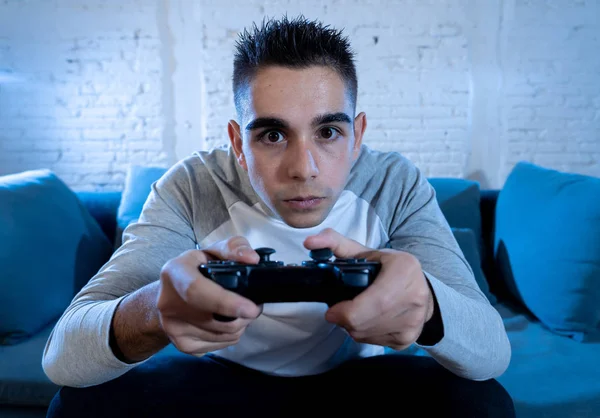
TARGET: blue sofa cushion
(459,200)
(137,187)
(103,206)
(22,378)
(547,246)
(50,246)
(549,375)
(468,244)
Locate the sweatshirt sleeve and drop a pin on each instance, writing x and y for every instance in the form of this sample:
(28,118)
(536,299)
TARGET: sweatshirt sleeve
(474,343)
(77,352)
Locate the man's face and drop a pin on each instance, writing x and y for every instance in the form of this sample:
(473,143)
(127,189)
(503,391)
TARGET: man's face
(297,140)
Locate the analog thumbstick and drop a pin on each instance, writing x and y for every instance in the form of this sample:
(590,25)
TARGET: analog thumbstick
(264,253)
(322,254)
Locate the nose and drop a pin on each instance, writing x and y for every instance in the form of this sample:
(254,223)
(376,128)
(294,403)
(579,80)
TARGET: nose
(301,164)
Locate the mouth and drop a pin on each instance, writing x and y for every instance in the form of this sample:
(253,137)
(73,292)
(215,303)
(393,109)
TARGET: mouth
(304,202)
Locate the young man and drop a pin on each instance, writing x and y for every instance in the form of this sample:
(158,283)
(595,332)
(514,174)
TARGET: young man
(295,177)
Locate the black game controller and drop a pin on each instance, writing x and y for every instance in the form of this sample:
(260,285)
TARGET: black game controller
(317,280)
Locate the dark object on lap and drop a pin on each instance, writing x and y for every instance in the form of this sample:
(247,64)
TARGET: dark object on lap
(210,386)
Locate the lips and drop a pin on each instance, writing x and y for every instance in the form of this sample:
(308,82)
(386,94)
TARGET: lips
(303,198)
(304,202)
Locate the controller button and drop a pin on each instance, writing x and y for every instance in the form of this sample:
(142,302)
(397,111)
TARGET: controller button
(228,280)
(264,253)
(321,254)
(358,279)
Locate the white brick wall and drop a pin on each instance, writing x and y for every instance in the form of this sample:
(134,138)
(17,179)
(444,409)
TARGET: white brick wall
(552,87)
(413,71)
(90,100)
(464,88)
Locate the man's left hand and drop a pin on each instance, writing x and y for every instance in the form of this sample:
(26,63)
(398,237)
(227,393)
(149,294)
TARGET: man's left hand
(394,309)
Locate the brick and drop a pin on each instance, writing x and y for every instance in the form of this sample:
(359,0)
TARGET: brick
(102,93)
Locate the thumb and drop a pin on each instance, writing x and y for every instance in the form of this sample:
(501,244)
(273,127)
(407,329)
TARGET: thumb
(338,312)
(342,247)
(235,249)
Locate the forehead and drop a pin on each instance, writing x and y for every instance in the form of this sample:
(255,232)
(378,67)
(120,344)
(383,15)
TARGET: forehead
(296,94)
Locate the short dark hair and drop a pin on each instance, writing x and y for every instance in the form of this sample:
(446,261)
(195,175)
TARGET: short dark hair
(292,43)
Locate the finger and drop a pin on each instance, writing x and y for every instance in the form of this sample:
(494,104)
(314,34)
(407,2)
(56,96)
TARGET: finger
(208,296)
(206,320)
(198,348)
(382,339)
(232,327)
(180,330)
(222,318)
(236,249)
(373,303)
(339,314)
(342,247)
(396,319)
(385,340)
(383,326)
(203,294)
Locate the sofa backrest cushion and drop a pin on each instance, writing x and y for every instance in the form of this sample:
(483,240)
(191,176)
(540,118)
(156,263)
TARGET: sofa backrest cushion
(547,247)
(103,206)
(459,201)
(468,244)
(137,187)
(50,246)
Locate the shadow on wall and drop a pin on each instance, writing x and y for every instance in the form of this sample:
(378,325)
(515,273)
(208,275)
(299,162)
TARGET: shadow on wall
(480,177)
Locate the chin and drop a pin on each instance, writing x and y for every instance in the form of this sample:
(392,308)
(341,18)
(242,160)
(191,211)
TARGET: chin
(304,220)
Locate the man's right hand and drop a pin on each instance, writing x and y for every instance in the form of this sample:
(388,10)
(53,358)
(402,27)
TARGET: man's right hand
(187,301)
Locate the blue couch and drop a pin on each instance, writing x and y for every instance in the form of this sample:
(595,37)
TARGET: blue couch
(511,237)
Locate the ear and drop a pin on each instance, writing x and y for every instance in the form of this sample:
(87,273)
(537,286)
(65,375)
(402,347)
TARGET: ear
(233,129)
(360,125)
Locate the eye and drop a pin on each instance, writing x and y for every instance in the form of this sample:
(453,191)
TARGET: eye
(271,137)
(328,133)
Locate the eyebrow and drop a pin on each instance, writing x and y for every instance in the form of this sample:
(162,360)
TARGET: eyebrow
(330,118)
(259,123)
